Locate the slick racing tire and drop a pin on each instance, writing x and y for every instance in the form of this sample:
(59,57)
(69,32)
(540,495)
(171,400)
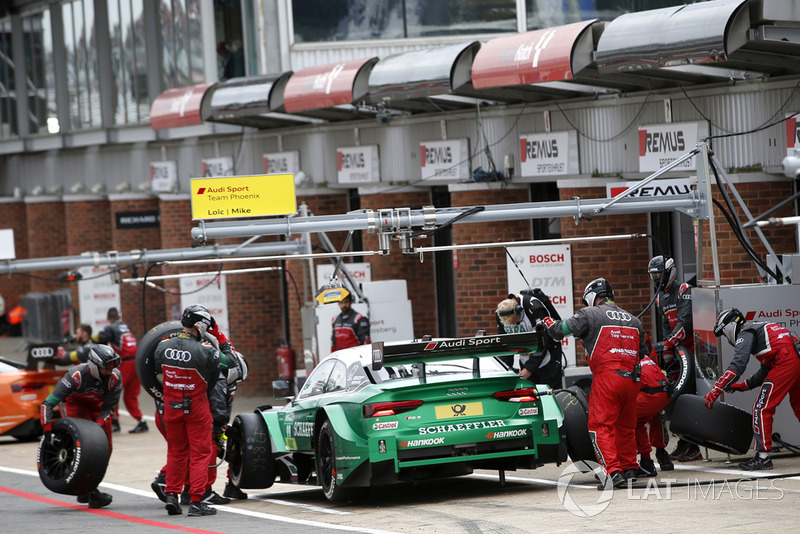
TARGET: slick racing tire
(149,375)
(252,465)
(726,428)
(575,406)
(325,459)
(681,372)
(78,463)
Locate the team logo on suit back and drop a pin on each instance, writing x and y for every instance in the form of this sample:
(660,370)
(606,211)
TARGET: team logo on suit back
(178,355)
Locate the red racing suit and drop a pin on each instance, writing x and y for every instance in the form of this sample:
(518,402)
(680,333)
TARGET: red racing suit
(650,404)
(118,336)
(775,347)
(84,397)
(350,330)
(189,367)
(614,342)
(675,307)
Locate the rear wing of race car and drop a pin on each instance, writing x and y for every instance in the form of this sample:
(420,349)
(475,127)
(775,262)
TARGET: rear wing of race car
(482,346)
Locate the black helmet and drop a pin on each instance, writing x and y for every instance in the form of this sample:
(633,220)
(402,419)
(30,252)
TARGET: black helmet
(662,271)
(598,287)
(729,323)
(197,313)
(102,357)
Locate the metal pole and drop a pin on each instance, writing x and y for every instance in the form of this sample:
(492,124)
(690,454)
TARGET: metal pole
(617,237)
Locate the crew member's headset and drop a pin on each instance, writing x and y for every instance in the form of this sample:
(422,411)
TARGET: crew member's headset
(515,310)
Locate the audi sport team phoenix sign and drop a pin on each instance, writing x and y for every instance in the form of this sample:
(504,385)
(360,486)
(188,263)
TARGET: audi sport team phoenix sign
(243,196)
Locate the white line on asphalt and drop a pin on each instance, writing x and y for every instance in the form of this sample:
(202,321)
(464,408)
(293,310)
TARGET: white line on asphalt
(231,509)
(299,505)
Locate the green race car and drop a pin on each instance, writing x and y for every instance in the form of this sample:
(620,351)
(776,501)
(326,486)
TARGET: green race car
(374,415)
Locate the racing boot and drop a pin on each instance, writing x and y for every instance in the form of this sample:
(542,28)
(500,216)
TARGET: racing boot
(680,450)
(692,454)
(212,497)
(173,507)
(231,491)
(201,508)
(141,426)
(629,474)
(115,426)
(647,468)
(757,463)
(616,480)
(664,461)
(98,499)
(159,486)
(186,499)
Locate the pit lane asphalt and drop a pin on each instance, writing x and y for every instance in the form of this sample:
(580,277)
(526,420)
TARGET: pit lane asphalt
(548,498)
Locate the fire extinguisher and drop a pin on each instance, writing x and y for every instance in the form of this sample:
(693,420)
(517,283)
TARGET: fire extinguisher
(285,361)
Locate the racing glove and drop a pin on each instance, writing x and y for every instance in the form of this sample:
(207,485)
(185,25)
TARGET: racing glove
(716,391)
(668,353)
(738,386)
(551,310)
(51,439)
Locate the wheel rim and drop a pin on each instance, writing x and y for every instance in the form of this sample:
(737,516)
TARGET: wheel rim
(59,461)
(326,459)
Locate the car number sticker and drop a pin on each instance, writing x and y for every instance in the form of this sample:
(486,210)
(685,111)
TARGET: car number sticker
(466,409)
(291,444)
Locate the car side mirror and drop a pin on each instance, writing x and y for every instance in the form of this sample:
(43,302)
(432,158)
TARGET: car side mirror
(281,389)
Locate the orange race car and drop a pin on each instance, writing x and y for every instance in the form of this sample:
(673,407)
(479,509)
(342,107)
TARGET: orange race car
(22,391)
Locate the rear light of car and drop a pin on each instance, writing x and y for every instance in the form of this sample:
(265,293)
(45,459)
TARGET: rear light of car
(26,387)
(382,409)
(517,395)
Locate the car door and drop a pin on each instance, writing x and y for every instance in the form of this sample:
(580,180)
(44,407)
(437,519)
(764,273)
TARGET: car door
(299,421)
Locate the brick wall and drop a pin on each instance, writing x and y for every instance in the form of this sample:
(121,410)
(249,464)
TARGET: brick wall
(13,216)
(480,276)
(126,240)
(47,236)
(735,265)
(419,277)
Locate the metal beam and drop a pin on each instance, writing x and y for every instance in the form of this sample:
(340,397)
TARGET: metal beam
(145,257)
(399,219)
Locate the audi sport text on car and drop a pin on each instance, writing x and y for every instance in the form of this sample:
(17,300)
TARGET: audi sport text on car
(370,416)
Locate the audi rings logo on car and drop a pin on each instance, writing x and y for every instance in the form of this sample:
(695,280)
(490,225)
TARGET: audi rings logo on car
(455,392)
(42,352)
(178,355)
(618,315)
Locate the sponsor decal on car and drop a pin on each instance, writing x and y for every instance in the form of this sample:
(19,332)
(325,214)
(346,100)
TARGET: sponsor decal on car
(303,430)
(466,409)
(291,444)
(439,429)
(413,417)
(422,442)
(463,343)
(503,434)
(529,411)
(388,425)
(346,458)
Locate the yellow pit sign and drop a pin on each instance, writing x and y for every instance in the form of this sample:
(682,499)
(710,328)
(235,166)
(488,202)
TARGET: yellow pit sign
(243,196)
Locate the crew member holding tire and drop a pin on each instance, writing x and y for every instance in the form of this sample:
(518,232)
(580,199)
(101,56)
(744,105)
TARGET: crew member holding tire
(777,350)
(674,304)
(615,344)
(518,313)
(189,367)
(117,334)
(90,391)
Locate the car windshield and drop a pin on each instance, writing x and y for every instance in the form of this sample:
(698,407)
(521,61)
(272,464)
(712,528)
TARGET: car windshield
(441,368)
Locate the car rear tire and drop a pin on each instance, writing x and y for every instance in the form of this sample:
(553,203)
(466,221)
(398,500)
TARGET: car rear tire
(249,451)
(145,363)
(726,428)
(575,407)
(78,464)
(325,458)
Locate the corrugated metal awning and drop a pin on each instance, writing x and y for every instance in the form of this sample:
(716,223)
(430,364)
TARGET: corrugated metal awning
(183,106)
(424,80)
(255,101)
(330,91)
